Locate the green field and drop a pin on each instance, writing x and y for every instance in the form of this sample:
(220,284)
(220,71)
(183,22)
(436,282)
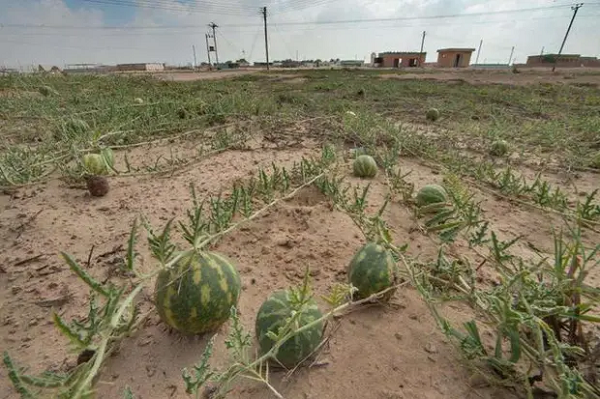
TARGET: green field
(501,276)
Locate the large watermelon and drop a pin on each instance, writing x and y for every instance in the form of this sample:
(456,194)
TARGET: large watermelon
(272,315)
(365,166)
(197,293)
(431,194)
(372,270)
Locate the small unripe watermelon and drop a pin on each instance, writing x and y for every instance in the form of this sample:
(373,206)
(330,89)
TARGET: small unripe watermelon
(431,194)
(433,114)
(372,270)
(196,294)
(108,156)
(95,164)
(365,166)
(595,161)
(47,90)
(499,148)
(77,126)
(272,316)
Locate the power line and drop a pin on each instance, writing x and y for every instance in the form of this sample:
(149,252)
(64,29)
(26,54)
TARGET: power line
(180,31)
(290,23)
(351,21)
(253,45)
(203,5)
(214,8)
(285,44)
(300,5)
(126,30)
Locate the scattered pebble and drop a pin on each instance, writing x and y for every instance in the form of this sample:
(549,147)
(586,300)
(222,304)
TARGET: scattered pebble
(430,348)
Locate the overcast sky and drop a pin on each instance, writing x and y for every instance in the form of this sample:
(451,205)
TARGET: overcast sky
(108,32)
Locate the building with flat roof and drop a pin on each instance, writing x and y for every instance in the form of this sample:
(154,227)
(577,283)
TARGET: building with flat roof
(563,60)
(400,59)
(454,57)
(148,67)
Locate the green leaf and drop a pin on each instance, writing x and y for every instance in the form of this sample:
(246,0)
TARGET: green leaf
(14,376)
(74,266)
(515,345)
(202,371)
(131,254)
(128,394)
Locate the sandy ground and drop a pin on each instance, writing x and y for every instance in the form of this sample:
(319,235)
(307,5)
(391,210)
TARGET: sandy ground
(587,76)
(394,352)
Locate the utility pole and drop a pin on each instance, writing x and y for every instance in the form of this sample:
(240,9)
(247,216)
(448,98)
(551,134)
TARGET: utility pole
(194,50)
(264,13)
(207,49)
(542,52)
(215,26)
(511,54)
(421,52)
(575,8)
(478,51)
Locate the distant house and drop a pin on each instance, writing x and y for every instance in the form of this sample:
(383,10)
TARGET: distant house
(7,71)
(309,64)
(88,68)
(593,62)
(563,60)
(148,67)
(290,64)
(262,64)
(399,59)
(351,63)
(454,57)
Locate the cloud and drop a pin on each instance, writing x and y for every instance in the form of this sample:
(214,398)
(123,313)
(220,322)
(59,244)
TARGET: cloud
(294,28)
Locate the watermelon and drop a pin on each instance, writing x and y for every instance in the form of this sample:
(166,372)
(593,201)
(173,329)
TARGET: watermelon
(77,126)
(499,148)
(273,314)
(431,194)
(372,270)
(196,294)
(47,90)
(95,164)
(595,162)
(433,114)
(365,166)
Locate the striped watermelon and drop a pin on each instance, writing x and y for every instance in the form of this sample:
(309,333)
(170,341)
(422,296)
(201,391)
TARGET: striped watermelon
(197,293)
(365,166)
(431,194)
(273,314)
(372,270)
